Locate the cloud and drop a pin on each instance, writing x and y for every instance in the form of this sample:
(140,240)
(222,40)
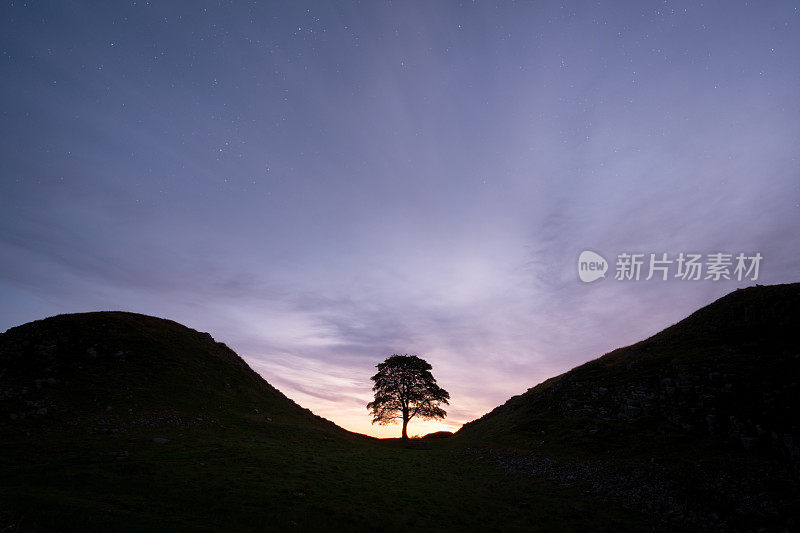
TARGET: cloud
(392,180)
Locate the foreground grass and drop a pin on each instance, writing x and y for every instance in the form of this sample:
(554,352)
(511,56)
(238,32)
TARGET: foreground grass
(246,477)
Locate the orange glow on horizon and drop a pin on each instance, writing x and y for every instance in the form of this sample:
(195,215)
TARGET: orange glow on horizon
(358,420)
(416,427)
(347,409)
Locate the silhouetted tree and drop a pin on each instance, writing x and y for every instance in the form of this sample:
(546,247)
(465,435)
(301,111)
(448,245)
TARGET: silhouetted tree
(405,388)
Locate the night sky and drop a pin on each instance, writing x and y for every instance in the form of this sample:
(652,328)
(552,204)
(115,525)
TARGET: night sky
(320,185)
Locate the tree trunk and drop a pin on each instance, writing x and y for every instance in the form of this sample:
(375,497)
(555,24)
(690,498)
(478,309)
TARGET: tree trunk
(405,425)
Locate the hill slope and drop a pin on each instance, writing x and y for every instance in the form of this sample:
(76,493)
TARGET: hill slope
(730,370)
(706,410)
(113,370)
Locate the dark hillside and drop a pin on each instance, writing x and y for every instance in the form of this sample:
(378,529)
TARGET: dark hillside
(109,371)
(730,370)
(698,422)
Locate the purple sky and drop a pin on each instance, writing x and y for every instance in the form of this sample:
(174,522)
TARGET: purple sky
(320,186)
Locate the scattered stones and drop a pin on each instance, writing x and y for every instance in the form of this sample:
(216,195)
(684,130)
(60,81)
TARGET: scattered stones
(119,455)
(748,443)
(651,490)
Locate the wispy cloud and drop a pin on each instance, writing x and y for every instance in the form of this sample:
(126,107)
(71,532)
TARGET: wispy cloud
(320,187)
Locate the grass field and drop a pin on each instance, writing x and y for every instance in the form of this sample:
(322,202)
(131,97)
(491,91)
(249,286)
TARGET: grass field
(254,476)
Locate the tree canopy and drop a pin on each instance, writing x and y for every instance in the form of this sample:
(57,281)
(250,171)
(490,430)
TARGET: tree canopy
(405,388)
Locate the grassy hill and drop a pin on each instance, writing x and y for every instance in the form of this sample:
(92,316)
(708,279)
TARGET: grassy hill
(127,422)
(110,371)
(706,410)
